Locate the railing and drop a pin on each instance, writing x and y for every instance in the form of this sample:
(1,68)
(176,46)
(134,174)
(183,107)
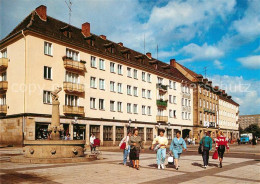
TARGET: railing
(73,87)
(73,65)
(3,85)
(79,110)
(3,109)
(3,63)
(162,103)
(162,87)
(162,118)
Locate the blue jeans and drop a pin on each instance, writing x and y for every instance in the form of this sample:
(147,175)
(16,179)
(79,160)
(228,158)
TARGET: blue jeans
(125,154)
(161,155)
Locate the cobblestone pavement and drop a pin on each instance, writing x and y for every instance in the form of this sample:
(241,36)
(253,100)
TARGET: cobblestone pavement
(243,168)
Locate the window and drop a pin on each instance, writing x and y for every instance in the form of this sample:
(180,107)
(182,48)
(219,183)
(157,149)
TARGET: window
(189,116)
(207,104)
(174,85)
(101,104)
(186,102)
(149,94)
(170,114)
(93,63)
(3,100)
(200,90)
(135,91)
(149,134)
(174,113)
(71,100)
(183,115)
(119,133)
(129,108)
(135,74)
(112,86)
(170,99)
(129,72)
(72,77)
(112,105)
(135,108)
(174,99)
(47,97)
(148,77)
(204,103)
(93,82)
(112,67)
(119,106)
(160,80)
(149,110)
(129,90)
(143,76)
(108,133)
(189,103)
(186,115)
(119,87)
(143,93)
(92,103)
(48,48)
(102,84)
(72,54)
(119,69)
(170,84)
(47,72)
(3,53)
(182,101)
(143,110)
(200,102)
(101,64)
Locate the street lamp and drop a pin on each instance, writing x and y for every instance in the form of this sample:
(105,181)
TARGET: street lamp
(129,122)
(169,125)
(158,126)
(75,121)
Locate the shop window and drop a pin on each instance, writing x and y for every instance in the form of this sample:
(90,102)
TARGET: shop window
(149,134)
(169,134)
(95,129)
(141,132)
(108,133)
(79,132)
(119,133)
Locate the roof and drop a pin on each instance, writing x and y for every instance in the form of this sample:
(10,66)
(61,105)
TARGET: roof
(52,29)
(228,100)
(194,74)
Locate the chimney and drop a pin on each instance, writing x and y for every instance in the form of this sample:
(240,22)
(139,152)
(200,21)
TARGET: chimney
(205,80)
(216,87)
(42,12)
(103,37)
(223,91)
(173,63)
(85,29)
(210,83)
(149,55)
(121,44)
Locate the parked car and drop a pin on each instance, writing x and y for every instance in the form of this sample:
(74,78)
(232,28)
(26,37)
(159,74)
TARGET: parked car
(246,138)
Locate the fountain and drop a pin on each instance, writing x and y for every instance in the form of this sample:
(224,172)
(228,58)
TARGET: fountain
(54,150)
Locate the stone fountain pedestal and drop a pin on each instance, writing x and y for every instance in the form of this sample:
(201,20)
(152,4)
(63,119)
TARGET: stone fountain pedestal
(54,150)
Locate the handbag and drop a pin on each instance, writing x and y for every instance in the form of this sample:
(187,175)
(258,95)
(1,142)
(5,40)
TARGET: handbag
(200,149)
(123,145)
(170,160)
(215,155)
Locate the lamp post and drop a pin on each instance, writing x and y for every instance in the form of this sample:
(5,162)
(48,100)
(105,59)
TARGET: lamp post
(169,125)
(129,122)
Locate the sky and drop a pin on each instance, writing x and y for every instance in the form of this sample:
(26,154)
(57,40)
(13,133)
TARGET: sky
(219,39)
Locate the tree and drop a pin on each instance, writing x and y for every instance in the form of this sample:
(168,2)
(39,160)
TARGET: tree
(254,129)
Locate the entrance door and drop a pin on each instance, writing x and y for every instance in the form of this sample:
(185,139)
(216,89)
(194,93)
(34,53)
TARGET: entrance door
(79,132)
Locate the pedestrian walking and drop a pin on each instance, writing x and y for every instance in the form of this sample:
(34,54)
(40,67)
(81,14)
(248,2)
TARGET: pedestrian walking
(124,144)
(91,140)
(221,144)
(178,144)
(136,144)
(254,140)
(161,152)
(206,143)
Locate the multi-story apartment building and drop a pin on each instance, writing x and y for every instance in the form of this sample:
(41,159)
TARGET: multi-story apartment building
(206,106)
(246,120)
(107,88)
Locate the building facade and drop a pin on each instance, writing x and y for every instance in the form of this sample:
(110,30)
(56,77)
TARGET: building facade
(107,89)
(246,120)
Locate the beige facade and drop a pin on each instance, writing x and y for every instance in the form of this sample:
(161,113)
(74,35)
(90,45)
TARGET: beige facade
(101,94)
(246,120)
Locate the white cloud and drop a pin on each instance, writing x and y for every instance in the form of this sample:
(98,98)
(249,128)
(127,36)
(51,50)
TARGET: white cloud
(252,62)
(245,92)
(218,64)
(204,52)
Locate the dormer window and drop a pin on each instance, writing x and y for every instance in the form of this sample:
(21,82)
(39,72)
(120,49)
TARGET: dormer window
(66,31)
(126,53)
(109,47)
(140,58)
(90,40)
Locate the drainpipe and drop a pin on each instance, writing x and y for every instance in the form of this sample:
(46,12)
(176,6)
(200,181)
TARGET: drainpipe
(25,61)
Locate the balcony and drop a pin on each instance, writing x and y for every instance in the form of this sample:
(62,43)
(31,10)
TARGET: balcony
(73,65)
(73,87)
(162,88)
(3,86)
(3,63)
(3,109)
(76,110)
(162,104)
(162,118)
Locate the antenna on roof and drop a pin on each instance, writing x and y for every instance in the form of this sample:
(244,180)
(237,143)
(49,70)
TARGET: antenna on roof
(69,4)
(205,71)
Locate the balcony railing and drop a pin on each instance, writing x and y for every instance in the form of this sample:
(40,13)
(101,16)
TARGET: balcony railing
(162,103)
(73,65)
(162,87)
(162,118)
(3,63)
(73,87)
(77,110)
(3,85)
(3,109)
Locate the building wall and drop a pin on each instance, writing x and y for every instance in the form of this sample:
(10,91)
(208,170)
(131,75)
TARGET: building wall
(246,120)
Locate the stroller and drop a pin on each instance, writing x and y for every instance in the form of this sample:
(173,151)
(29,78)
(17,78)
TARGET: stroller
(96,146)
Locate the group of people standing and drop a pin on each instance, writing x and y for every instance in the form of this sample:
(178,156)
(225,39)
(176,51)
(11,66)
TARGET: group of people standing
(134,145)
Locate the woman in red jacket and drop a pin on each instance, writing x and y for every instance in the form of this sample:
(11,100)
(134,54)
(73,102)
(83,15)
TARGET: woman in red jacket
(221,144)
